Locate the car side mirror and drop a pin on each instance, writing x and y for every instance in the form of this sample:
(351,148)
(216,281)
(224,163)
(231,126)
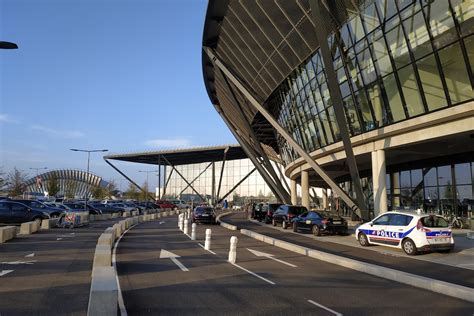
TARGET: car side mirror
(371,224)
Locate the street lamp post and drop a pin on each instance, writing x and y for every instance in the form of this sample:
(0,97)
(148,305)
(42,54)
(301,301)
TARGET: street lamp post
(147,184)
(88,160)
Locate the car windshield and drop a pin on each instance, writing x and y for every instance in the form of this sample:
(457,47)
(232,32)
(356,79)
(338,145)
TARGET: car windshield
(434,221)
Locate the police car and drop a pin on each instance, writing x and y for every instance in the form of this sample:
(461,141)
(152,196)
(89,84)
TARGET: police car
(410,231)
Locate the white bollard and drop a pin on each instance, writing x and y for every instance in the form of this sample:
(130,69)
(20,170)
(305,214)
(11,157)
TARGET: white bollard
(233,249)
(207,243)
(193,231)
(185,226)
(180,222)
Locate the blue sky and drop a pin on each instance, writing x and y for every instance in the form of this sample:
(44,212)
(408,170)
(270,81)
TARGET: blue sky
(118,74)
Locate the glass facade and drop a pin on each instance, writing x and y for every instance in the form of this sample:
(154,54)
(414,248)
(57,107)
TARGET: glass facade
(394,61)
(443,189)
(254,187)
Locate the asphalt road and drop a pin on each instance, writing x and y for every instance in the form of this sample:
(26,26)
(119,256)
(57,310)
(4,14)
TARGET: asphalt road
(51,271)
(431,270)
(293,285)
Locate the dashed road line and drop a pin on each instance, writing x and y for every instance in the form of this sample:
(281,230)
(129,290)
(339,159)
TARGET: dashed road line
(324,307)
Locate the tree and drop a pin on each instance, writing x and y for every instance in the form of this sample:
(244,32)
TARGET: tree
(144,192)
(70,189)
(111,188)
(17,180)
(99,192)
(132,192)
(53,185)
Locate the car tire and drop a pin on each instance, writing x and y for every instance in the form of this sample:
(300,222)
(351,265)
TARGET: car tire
(295,227)
(363,240)
(284,224)
(315,230)
(54,215)
(409,247)
(267,220)
(274,223)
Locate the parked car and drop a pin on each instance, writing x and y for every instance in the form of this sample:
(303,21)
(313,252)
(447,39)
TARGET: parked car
(39,206)
(257,211)
(204,214)
(79,207)
(12,212)
(179,203)
(285,213)
(57,205)
(320,222)
(165,204)
(149,205)
(107,208)
(268,210)
(411,232)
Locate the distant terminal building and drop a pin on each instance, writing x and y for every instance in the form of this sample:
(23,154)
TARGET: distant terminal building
(210,174)
(371,99)
(70,183)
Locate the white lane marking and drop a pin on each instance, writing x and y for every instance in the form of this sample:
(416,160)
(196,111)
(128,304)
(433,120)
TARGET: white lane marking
(270,256)
(202,246)
(30,255)
(19,262)
(324,307)
(253,273)
(66,236)
(5,272)
(165,254)
(123,310)
(162,223)
(59,239)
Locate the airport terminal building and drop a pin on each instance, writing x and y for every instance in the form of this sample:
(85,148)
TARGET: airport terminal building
(371,99)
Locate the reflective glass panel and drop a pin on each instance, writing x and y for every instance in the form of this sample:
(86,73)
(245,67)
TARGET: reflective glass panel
(393,96)
(441,22)
(352,115)
(463,173)
(410,91)
(444,175)
(376,100)
(370,17)
(431,81)
(430,176)
(327,128)
(464,12)
(398,46)
(364,107)
(381,54)
(418,35)
(455,73)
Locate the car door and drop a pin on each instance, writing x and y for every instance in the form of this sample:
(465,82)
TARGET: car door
(19,213)
(5,212)
(379,225)
(398,228)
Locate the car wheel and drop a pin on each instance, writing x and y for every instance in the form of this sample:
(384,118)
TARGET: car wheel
(267,220)
(273,222)
(363,240)
(284,225)
(295,227)
(409,247)
(315,230)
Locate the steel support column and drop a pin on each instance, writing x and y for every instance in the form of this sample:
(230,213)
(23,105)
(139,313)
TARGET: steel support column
(266,162)
(159,177)
(167,180)
(249,154)
(182,191)
(238,183)
(179,173)
(281,130)
(213,183)
(131,181)
(222,172)
(322,35)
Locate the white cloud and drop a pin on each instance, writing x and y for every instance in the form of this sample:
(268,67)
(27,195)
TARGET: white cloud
(58,133)
(4,118)
(168,143)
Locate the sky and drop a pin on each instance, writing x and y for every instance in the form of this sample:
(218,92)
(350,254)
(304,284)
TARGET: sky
(122,75)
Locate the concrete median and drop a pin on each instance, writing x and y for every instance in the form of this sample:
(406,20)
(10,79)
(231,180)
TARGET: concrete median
(29,228)
(7,233)
(49,223)
(103,298)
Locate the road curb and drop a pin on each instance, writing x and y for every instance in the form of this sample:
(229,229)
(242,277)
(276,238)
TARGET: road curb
(449,289)
(225,225)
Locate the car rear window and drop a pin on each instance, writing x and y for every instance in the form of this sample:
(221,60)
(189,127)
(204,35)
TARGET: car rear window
(297,210)
(434,221)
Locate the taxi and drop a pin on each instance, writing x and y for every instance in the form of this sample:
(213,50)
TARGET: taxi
(409,231)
